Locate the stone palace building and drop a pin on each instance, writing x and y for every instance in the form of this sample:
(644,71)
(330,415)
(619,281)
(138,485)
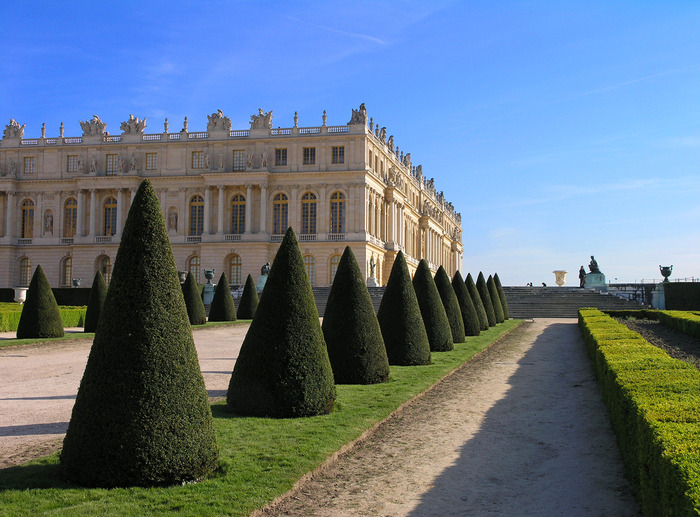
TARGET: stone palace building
(227,197)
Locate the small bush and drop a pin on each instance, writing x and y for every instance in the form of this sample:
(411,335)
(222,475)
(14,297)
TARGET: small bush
(471,319)
(248,303)
(40,315)
(486,299)
(478,304)
(222,306)
(502,296)
(495,300)
(431,308)
(193,300)
(451,305)
(98,292)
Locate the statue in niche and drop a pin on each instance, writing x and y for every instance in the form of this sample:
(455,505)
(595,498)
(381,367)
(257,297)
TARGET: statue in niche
(390,143)
(93,165)
(218,122)
(593,266)
(372,266)
(263,158)
(132,162)
(120,163)
(93,127)
(12,169)
(81,164)
(249,160)
(3,172)
(14,130)
(172,220)
(382,135)
(221,161)
(359,116)
(207,161)
(48,222)
(133,126)
(261,120)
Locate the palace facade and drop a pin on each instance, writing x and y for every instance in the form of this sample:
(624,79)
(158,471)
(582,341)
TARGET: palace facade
(227,196)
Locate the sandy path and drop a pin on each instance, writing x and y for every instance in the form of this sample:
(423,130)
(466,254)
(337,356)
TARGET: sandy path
(38,384)
(521,430)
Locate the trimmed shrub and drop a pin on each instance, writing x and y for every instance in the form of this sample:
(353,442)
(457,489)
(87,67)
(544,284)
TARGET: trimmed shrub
(682,296)
(466,305)
(478,304)
(437,326)
(683,321)
(222,306)
(351,330)
(40,315)
(451,305)
(193,300)
(502,297)
(283,368)
(142,415)
(98,292)
(495,300)
(72,296)
(400,319)
(486,299)
(248,303)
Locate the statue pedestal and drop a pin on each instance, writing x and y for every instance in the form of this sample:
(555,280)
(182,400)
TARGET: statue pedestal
(208,294)
(262,280)
(372,282)
(596,281)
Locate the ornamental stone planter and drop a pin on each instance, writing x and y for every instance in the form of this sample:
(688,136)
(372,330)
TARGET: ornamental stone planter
(560,277)
(21,294)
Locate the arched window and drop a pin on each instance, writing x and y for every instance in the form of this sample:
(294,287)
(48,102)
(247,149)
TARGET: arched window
(335,260)
(338,212)
(70,217)
(280,208)
(104,265)
(25,270)
(310,265)
(196,215)
(193,265)
(234,269)
(27,219)
(110,216)
(238,215)
(308,213)
(66,271)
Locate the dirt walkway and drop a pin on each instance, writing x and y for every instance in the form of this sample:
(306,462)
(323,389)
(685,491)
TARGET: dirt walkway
(521,430)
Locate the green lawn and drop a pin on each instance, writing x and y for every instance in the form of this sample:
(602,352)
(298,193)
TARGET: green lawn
(261,458)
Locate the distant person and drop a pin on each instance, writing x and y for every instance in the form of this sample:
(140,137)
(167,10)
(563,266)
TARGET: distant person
(581,277)
(544,285)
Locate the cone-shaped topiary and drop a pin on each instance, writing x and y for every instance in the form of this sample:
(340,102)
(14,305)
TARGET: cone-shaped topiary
(502,296)
(435,319)
(351,330)
(40,315)
(142,415)
(283,368)
(248,303)
(400,319)
(222,306)
(451,304)
(471,319)
(495,300)
(98,292)
(193,300)
(485,298)
(478,304)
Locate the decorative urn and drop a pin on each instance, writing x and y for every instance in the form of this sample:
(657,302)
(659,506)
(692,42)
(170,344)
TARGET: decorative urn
(209,274)
(666,271)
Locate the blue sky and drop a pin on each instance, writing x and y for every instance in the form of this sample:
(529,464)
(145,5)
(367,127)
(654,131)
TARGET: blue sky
(558,129)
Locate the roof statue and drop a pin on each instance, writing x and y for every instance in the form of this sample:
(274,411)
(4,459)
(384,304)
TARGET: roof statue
(93,127)
(133,126)
(359,116)
(14,130)
(219,122)
(261,120)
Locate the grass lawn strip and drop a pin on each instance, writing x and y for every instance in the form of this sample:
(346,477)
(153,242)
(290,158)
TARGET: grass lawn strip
(261,458)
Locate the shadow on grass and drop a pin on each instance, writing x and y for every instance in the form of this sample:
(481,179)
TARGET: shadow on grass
(44,473)
(34,429)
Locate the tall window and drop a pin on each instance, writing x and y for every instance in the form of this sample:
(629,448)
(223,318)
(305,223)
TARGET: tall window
(338,154)
(234,270)
(338,212)
(308,213)
(238,215)
(112,164)
(280,156)
(151,161)
(25,270)
(70,217)
(310,265)
(105,266)
(193,265)
(72,165)
(29,165)
(279,214)
(196,215)
(197,159)
(27,219)
(309,155)
(239,160)
(335,260)
(66,271)
(110,216)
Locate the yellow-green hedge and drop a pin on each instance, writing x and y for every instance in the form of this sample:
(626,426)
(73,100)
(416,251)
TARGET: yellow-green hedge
(685,321)
(654,406)
(11,312)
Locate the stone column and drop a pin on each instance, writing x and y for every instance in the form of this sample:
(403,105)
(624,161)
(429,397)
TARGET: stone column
(79,220)
(220,220)
(263,208)
(38,230)
(248,207)
(132,193)
(9,229)
(391,235)
(120,207)
(58,219)
(207,210)
(93,208)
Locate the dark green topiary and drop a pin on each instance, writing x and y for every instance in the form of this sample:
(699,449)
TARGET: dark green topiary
(283,368)
(193,300)
(486,298)
(98,292)
(502,296)
(478,304)
(471,319)
(222,306)
(351,330)
(248,303)
(435,319)
(451,304)
(40,315)
(495,300)
(400,319)
(142,415)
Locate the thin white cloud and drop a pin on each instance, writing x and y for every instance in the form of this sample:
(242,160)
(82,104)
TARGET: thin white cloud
(358,35)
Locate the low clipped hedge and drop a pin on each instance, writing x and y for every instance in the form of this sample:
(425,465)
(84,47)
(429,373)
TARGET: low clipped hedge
(654,405)
(685,321)
(10,314)
(640,314)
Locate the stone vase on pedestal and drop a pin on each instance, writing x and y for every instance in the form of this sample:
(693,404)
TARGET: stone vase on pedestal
(560,277)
